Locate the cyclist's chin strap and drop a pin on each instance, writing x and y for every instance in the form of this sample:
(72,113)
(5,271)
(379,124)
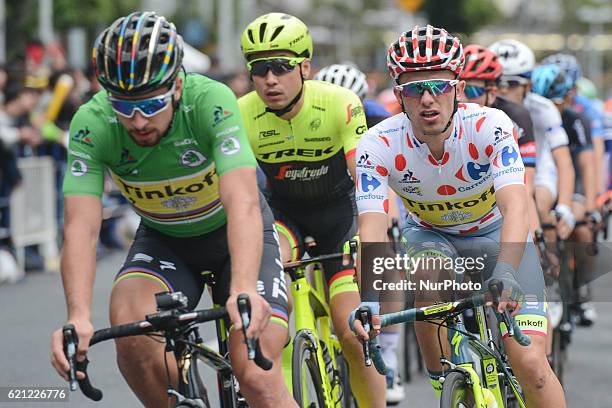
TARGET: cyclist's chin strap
(294,101)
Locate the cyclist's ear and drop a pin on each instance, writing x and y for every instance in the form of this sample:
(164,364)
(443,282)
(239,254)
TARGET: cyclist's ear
(179,89)
(305,69)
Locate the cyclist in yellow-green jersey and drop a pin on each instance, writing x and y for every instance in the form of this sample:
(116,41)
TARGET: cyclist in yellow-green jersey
(304,134)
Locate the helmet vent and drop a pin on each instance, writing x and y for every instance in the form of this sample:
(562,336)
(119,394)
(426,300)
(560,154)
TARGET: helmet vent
(276,32)
(250,35)
(262,31)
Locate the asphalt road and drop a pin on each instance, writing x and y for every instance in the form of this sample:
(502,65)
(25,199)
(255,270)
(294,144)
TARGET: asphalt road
(32,309)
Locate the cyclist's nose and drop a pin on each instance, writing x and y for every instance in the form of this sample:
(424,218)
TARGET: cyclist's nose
(271,79)
(139,121)
(426,98)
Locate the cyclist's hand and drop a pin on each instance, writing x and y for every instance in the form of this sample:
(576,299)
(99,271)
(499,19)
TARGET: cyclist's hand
(357,327)
(594,216)
(512,295)
(84,330)
(260,313)
(566,222)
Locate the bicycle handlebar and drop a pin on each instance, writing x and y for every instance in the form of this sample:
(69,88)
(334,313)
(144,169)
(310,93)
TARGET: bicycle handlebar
(164,320)
(429,313)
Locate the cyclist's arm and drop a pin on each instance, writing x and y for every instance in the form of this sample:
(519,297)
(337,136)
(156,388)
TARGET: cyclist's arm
(83,187)
(565,175)
(514,225)
(240,198)
(586,160)
(352,124)
(82,219)
(238,191)
(508,176)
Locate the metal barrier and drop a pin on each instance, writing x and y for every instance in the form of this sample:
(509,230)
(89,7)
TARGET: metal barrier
(33,209)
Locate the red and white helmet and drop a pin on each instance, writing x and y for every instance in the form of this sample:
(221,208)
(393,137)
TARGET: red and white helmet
(425,49)
(481,63)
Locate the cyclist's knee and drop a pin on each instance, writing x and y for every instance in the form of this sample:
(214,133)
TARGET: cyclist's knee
(533,367)
(137,352)
(132,299)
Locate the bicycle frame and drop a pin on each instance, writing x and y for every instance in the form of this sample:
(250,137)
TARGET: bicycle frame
(312,314)
(463,350)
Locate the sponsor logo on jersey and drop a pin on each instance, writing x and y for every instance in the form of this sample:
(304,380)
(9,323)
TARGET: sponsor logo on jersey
(80,154)
(315,124)
(416,190)
(179,203)
(351,112)
(453,211)
(78,168)
(227,131)
(369,183)
(364,161)
(186,142)
(409,177)
(192,158)
(82,137)
(126,158)
(319,108)
(287,172)
(475,171)
(500,135)
(174,200)
(268,133)
(317,139)
(112,119)
(220,114)
(230,146)
(187,108)
(271,144)
(390,130)
(298,152)
(508,156)
(361,129)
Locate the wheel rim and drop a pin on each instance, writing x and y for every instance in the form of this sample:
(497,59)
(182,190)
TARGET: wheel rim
(460,398)
(310,398)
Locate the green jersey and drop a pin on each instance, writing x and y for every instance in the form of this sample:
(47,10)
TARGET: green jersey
(173,186)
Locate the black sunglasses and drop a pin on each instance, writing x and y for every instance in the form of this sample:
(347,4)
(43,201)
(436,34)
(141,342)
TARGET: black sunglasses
(278,65)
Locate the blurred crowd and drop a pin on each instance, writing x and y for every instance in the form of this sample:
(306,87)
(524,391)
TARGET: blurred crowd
(39,94)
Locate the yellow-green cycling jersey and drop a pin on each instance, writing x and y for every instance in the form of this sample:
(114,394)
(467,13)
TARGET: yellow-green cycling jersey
(305,158)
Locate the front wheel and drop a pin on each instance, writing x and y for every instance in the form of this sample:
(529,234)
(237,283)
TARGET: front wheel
(345,384)
(306,376)
(456,393)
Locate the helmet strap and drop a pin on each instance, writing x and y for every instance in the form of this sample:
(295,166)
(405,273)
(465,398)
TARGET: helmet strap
(282,111)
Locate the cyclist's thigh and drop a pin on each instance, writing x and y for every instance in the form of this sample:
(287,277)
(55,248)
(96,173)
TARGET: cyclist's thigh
(286,227)
(331,225)
(532,315)
(271,284)
(154,257)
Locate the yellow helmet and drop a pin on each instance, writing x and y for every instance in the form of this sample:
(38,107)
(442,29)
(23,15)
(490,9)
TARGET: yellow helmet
(277,31)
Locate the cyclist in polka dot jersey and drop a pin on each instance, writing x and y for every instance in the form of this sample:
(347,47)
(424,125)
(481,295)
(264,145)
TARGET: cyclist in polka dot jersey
(459,172)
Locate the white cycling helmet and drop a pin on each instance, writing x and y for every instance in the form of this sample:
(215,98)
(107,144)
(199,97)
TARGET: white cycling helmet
(345,76)
(516,58)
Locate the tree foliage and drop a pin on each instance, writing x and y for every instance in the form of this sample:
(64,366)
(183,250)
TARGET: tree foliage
(460,16)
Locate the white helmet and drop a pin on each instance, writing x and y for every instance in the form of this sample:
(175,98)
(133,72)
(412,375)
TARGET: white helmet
(345,76)
(515,57)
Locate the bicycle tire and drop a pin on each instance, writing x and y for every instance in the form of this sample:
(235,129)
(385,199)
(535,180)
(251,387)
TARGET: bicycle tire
(558,355)
(456,393)
(306,375)
(342,367)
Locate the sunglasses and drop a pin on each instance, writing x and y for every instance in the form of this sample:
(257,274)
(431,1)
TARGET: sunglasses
(278,65)
(473,91)
(147,107)
(435,87)
(512,81)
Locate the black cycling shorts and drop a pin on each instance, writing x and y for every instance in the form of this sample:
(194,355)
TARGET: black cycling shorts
(331,225)
(188,264)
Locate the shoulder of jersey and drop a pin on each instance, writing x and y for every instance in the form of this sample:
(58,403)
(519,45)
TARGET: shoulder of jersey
(100,109)
(539,103)
(472,112)
(313,85)
(249,100)
(389,125)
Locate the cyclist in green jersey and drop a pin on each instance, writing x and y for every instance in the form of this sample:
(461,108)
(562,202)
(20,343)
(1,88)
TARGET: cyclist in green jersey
(175,145)
(304,134)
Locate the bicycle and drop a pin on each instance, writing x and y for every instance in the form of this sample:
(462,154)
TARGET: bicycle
(177,326)
(319,372)
(479,373)
(566,285)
